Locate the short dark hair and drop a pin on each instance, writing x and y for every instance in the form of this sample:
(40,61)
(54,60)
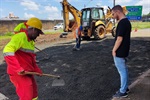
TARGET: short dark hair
(117,7)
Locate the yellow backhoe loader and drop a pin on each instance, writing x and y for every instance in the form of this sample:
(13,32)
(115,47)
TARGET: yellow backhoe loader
(94,21)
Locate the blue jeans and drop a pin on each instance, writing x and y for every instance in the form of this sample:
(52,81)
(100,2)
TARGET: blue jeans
(121,66)
(78,42)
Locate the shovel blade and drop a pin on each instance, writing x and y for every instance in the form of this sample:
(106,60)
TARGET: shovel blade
(58,82)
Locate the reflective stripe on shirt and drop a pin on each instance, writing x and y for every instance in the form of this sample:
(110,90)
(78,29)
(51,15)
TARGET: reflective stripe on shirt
(26,50)
(22,49)
(8,54)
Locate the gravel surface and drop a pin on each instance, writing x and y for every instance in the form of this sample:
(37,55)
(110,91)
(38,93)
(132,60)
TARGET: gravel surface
(89,74)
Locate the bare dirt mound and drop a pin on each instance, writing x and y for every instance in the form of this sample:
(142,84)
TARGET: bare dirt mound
(47,38)
(50,38)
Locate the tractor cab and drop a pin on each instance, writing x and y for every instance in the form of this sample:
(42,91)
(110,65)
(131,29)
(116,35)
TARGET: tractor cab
(89,18)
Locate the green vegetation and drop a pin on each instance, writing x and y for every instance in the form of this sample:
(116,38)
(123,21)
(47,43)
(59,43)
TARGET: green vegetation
(140,25)
(4,38)
(54,31)
(146,15)
(7,35)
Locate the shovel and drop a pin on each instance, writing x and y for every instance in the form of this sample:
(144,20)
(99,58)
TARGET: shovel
(56,82)
(46,55)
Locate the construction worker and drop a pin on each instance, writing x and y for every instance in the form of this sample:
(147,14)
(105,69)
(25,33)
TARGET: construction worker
(20,58)
(22,27)
(77,35)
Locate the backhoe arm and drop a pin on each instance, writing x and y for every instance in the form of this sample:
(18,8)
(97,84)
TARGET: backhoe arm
(67,7)
(109,13)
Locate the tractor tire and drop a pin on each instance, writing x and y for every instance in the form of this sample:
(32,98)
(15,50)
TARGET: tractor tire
(114,31)
(100,32)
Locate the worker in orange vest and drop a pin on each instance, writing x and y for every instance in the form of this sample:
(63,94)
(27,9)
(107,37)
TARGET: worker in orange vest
(77,34)
(22,27)
(20,58)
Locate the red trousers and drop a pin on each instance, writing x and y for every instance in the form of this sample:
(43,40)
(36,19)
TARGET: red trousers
(26,87)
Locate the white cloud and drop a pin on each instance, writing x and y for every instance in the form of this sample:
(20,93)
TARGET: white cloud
(105,9)
(99,4)
(122,2)
(58,0)
(27,16)
(51,9)
(146,6)
(30,5)
(54,16)
(53,12)
(144,3)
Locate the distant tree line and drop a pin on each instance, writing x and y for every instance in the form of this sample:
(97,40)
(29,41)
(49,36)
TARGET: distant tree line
(146,17)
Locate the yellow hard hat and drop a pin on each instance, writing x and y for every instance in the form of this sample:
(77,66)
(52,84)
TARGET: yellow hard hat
(35,22)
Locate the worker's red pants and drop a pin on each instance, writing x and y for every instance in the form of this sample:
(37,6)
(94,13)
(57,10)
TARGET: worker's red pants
(26,87)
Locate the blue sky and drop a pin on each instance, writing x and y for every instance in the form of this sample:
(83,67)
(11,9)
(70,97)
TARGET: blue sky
(51,9)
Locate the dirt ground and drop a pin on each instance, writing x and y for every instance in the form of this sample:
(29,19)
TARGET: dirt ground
(89,74)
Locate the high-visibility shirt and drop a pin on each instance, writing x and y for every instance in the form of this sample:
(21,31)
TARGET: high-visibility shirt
(19,54)
(20,27)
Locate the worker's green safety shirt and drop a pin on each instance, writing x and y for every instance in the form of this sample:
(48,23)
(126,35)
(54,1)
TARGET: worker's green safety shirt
(19,54)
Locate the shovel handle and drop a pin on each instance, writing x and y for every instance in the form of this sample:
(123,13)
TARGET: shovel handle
(35,73)
(41,51)
(50,75)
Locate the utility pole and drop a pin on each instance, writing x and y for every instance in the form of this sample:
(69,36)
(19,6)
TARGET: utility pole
(114,5)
